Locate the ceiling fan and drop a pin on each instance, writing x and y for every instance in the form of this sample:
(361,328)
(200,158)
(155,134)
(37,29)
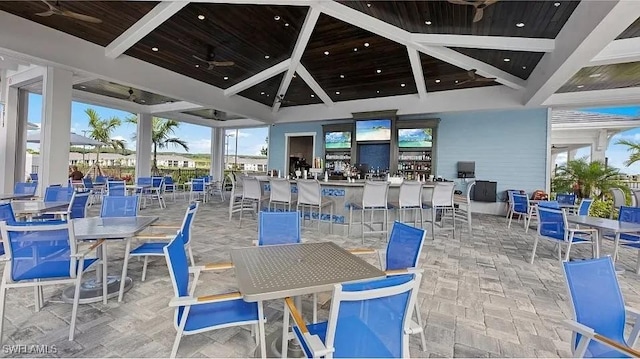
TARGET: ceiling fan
(479,6)
(280,99)
(210,60)
(131,97)
(57,10)
(474,78)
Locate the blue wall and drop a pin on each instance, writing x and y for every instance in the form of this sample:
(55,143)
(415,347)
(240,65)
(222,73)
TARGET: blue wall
(509,147)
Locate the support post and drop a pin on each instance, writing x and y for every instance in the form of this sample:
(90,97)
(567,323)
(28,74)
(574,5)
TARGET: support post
(217,153)
(55,130)
(21,172)
(143,145)
(8,134)
(599,146)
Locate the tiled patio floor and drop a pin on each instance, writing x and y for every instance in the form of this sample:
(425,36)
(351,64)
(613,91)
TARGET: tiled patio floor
(480,297)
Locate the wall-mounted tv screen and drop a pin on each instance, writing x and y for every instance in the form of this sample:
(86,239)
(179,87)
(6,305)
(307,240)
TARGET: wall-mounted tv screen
(373,130)
(415,137)
(337,140)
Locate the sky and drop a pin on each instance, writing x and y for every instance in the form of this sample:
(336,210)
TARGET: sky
(250,141)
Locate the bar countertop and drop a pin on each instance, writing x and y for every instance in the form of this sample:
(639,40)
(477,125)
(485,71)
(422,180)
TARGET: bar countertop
(345,183)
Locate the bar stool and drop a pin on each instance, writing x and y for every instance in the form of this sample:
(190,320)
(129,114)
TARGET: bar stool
(310,195)
(374,198)
(442,199)
(280,193)
(251,196)
(410,198)
(463,208)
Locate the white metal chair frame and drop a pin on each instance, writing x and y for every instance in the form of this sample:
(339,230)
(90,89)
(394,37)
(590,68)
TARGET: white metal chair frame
(375,196)
(569,235)
(310,196)
(410,199)
(463,209)
(280,193)
(195,194)
(251,197)
(528,215)
(619,200)
(442,199)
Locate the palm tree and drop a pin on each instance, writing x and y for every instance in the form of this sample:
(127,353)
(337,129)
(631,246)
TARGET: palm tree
(102,130)
(592,179)
(634,148)
(162,137)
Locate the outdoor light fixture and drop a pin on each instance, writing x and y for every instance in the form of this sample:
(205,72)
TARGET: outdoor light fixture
(428,22)
(154,49)
(201,17)
(520,24)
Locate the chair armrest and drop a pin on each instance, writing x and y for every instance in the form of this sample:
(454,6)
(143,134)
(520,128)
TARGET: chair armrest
(583,230)
(154,236)
(410,270)
(182,301)
(618,346)
(632,312)
(362,251)
(218,266)
(90,249)
(162,226)
(579,328)
(317,347)
(295,314)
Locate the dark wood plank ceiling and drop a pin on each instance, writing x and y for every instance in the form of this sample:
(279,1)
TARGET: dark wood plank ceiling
(117,16)
(542,19)
(604,77)
(632,31)
(299,93)
(207,114)
(359,68)
(112,89)
(245,34)
(264,92)
(517,63)
(442,76)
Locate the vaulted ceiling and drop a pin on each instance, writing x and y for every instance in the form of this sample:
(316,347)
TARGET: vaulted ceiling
(393,48)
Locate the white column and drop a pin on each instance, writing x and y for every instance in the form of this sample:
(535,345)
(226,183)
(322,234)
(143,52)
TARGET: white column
(21,172)
(599,146)
(55,128)
(8,137)
(217,153)
(143,145)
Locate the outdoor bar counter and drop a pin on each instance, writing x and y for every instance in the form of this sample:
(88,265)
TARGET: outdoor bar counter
(343,193)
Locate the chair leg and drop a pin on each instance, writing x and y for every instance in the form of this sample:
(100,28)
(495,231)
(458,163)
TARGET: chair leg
(566,256)
(350,220)
(105,291)
(559,251)
(76,300)
(315,307)
(510,216)
(176,344)
(125,266)
(3,292)
(241,212)
(362,224)
(638,264)
(36,297)
(263,344)
(533,252)
(144,268)
(422,336)
(331,219)
(285,331)
(193,262)
(433,223)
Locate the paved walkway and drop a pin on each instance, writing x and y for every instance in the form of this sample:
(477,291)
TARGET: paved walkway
(479,297)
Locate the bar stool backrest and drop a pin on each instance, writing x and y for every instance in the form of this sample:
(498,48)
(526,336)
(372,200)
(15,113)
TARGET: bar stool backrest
(443,194)
(410,194)
(251,188)
(116,188)
(469,189)
(618,197)
(280,190)
(375,194)
(309,192)
(143,181)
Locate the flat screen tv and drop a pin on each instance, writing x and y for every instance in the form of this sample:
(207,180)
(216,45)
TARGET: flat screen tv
(334,140)
(373,130)
(415,138)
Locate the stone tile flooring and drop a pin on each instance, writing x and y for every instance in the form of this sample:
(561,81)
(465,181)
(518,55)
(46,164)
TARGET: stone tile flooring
(479,297)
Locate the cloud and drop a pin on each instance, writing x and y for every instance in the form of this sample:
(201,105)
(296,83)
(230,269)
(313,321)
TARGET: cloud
(119,138)
(202,145)
(241,134)
(635,137)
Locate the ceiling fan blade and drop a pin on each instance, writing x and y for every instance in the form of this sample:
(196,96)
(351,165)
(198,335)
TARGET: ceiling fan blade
(478,14)
(222,63)
(46,13)
(81,17)
(461,2)
(199,58)
(51,7)
(464,82)
(472,74)
(490,2)
(485,79)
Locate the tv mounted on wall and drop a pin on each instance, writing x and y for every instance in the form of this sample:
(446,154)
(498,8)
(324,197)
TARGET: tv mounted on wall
(333,140)
(373,130)
(415,138)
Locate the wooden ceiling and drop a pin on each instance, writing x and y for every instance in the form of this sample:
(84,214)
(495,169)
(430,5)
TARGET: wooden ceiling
(632,31)
(114,90)
(604,77)
(517,63)
(542,19)
(442,76)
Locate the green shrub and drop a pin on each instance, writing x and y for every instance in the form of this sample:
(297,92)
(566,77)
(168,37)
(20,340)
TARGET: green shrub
(602,209)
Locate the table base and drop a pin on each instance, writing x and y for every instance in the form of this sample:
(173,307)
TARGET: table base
(91,290)
(274,347)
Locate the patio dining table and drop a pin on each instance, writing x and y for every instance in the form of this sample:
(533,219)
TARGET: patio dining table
(114,228)
(280,271)
(31,208)
(11,196)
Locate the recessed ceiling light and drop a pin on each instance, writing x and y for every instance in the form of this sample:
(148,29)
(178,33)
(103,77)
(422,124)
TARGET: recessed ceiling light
(506,59)
(595,75)
(197,65)
(226,78)
(268,95)
(142,101)
(266,56)
(368,4)
(366,44)
(337,92)
(154,49)
(294,76)
(378,71)
(524,67)
(402,85)
(286,24)
(580,86)
(428,22)
(326,53)
(556,4)
(520,24)
(82,87)
(437,81)
(312,95)
(378,91)
(355,49)
(457,81)
(276,18)
(341,76)
(201,17)
(262,93)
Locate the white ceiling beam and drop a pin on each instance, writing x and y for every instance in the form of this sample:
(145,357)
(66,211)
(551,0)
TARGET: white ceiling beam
(596,125)
(379,27)
(619,96)
(78,79)
(258,78)
(473,99)
(486,42)
(21,37)
(159,14)
(418,75)
(298,50)
(617,52)
(314,85)
(591,27)
(27,76)
(172,107)
(261,2)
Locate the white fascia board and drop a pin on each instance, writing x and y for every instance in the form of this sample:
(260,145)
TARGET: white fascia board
(25,77)
(594,98)
(56,48)
(618,51)
(486,42)
(609,125)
